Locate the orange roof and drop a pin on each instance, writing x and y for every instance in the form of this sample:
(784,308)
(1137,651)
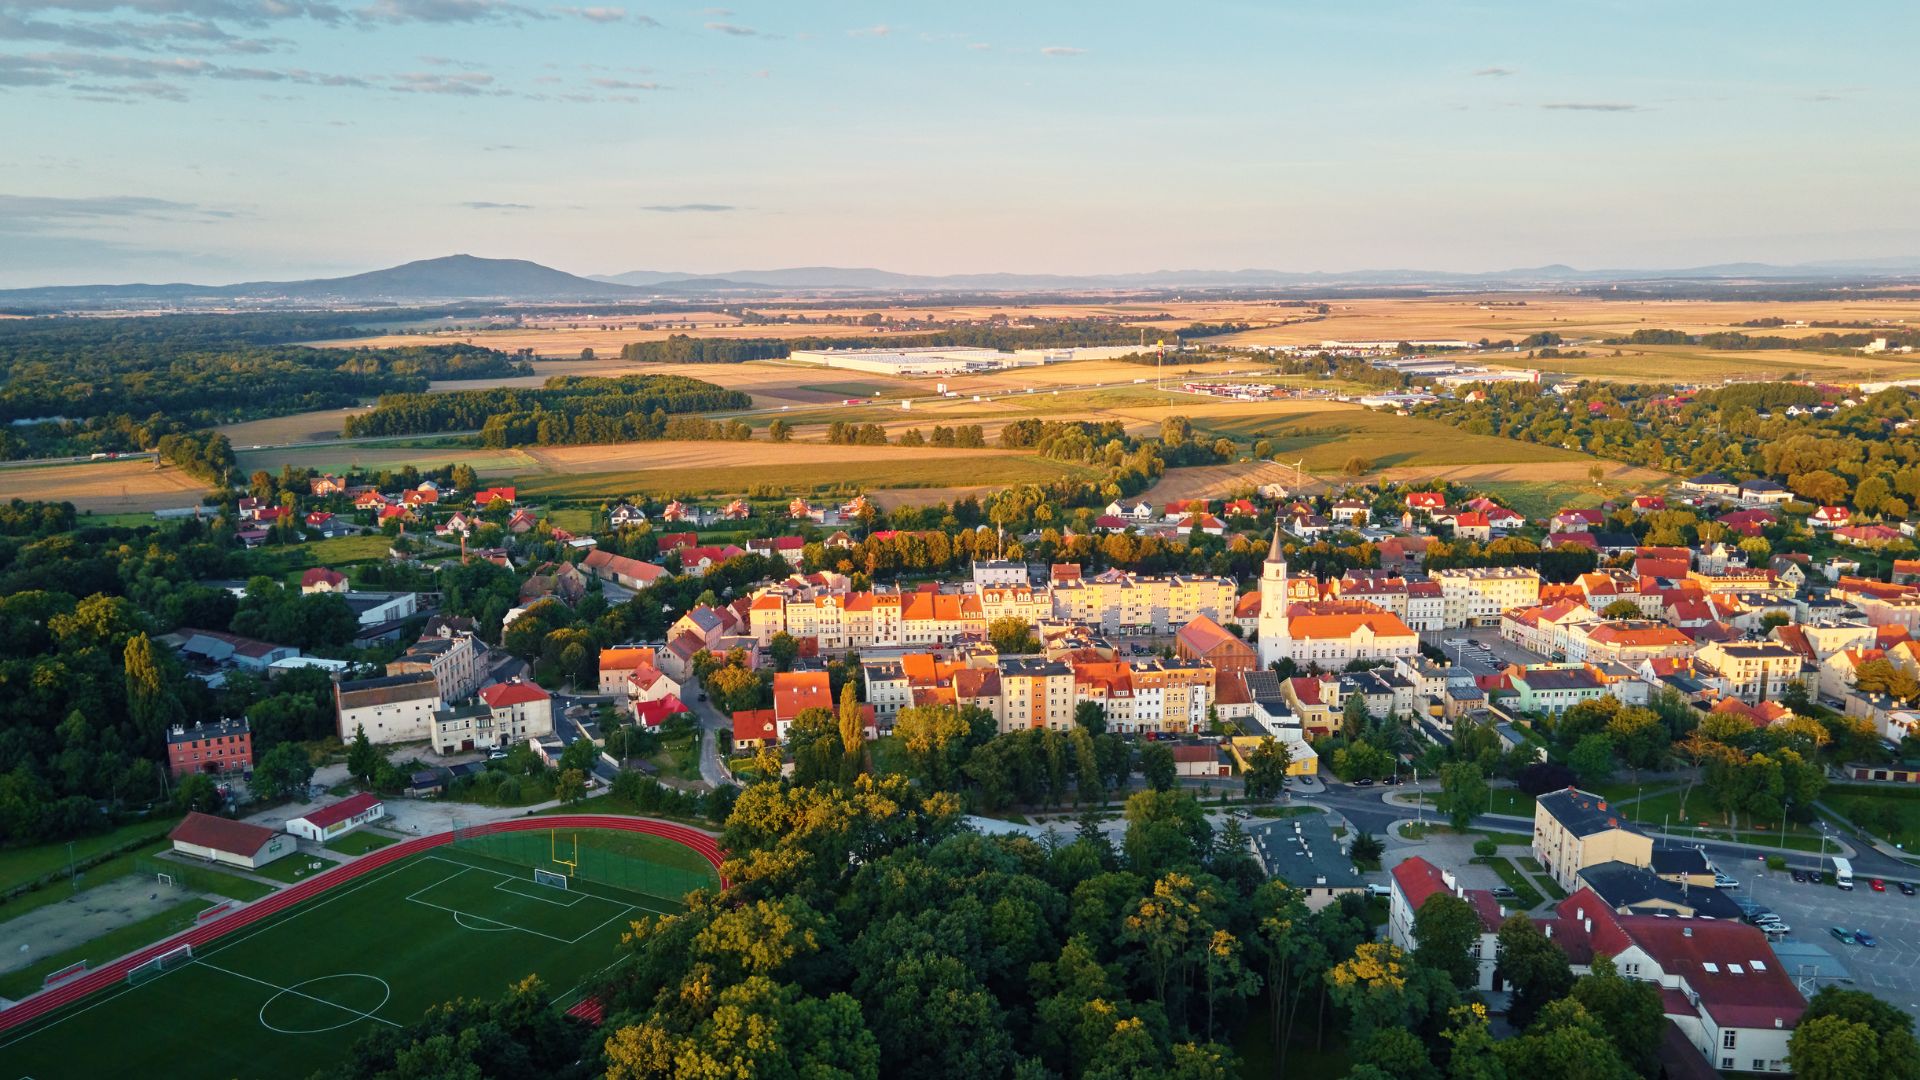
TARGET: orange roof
(937,607)
(1638,636)
(794,691)
(754,724)
(1381,624)
(1203,636)
(626,658)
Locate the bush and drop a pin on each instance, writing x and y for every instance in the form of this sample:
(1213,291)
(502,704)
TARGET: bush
(1485,847)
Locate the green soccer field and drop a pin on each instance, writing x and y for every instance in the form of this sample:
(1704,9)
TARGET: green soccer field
(291,994)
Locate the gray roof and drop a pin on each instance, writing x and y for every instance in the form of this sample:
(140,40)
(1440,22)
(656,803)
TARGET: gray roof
(1302,852)
(1679,859)
(1623,885)
(1582,813)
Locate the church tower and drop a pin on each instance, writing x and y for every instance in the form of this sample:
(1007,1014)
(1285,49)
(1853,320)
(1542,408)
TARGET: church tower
(1273,603)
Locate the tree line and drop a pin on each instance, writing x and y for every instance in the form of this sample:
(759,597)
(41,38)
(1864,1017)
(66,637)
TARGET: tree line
(565,409)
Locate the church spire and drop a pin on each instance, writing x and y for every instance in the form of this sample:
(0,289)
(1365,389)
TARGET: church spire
(1273,553)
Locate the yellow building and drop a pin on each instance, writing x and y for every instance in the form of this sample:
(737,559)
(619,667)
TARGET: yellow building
(1574,829)
(1303,763)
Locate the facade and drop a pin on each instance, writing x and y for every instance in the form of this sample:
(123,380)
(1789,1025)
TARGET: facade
(1415,881)
(226,746)
(338,819)
(392,709)
(1573,830)
(1752,671)
(456,660)
(620,570)
(1475,596)
(1036,693)
(618,664)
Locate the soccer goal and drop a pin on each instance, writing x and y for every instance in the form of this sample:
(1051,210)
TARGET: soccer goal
(166,880)
(548,877)
(160,965)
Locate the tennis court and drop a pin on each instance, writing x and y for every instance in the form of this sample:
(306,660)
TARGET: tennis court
(290,993)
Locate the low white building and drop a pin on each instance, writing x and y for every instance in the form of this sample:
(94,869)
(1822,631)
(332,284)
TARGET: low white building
(339,818)
(392,709)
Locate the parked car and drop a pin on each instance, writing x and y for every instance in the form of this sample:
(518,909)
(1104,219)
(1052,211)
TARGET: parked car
(1379,890)
(1861,937)
(1503,892)
(1799,875)
(1842,935)
(1878,885)
(1722,881)
(1365,781)
(1776,926)
(1906,888)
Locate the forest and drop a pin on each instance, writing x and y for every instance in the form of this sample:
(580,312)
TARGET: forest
(1865,454)
(1056,333)
(119,384)
(565,409)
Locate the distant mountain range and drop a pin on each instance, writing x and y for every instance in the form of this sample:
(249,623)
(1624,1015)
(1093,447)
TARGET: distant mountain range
(468,277)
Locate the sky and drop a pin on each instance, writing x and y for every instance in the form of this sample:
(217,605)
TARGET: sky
(227,140)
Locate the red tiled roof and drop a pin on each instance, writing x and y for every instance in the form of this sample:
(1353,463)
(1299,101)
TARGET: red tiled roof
(511,693)
(794,691)
(754,724)
(320,575)
(221,834)
(348,807)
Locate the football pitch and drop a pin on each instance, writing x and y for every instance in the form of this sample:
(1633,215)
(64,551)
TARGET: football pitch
(290,994)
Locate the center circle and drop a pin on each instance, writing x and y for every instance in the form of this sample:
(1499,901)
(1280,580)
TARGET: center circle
(312,998)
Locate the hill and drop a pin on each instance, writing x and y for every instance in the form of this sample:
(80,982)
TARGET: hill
(452,277)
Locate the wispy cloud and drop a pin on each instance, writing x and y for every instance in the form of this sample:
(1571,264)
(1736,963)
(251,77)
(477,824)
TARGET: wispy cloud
(443,11)
(690,208)
(876,30)
(462,83)
(625,84)
(1062,50)
(481,204)
(1493,72)
(735,29)
(609,15)
(48,213)
(1593,106)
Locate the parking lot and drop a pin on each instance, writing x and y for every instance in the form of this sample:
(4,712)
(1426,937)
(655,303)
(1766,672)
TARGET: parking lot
(1492,653)
(1890,969)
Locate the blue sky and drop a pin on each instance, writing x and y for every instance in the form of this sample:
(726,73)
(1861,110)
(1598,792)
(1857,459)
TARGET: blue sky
(217,140)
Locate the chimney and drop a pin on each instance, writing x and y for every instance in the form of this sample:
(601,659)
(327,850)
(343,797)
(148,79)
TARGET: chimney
(1686,931)
(1603,804)
(1503,911)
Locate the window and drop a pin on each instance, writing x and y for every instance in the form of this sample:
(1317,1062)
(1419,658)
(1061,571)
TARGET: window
(1726,1041)
(1759,1065)
(1727,1064)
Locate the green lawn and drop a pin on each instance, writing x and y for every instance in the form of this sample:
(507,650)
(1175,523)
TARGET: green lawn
(296,867)
(1541,498)
(679,758)
(21,865)
(1529,897)
(960,469)
(359,842)
(577,521)
(291,994)
(104,949)
(203,878)
(1889,812)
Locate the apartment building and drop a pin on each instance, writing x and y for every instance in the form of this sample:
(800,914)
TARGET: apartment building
(1475,596)
(1574,829)
(1752,671)
(456,659)
(1035,693)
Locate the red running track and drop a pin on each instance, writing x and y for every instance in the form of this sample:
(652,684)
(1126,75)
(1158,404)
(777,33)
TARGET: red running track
(66,993)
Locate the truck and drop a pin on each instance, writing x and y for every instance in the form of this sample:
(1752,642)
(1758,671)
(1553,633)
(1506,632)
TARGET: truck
(1842,873)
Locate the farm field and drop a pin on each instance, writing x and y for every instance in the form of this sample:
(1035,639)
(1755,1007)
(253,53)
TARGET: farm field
(108,487)
(1326,439)
(291,993)
(900,469)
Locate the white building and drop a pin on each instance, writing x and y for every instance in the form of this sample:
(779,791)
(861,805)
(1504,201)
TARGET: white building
(392,709)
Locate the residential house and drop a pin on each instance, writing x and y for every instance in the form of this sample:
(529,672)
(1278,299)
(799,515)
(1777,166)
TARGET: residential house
(1574,829)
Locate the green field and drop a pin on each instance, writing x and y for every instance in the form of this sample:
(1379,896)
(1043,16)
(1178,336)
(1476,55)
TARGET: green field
(854,388)
(103,949)
(290,995)
(359,842)
(296,867)
(1327,439)
(920,472)
(20,865)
